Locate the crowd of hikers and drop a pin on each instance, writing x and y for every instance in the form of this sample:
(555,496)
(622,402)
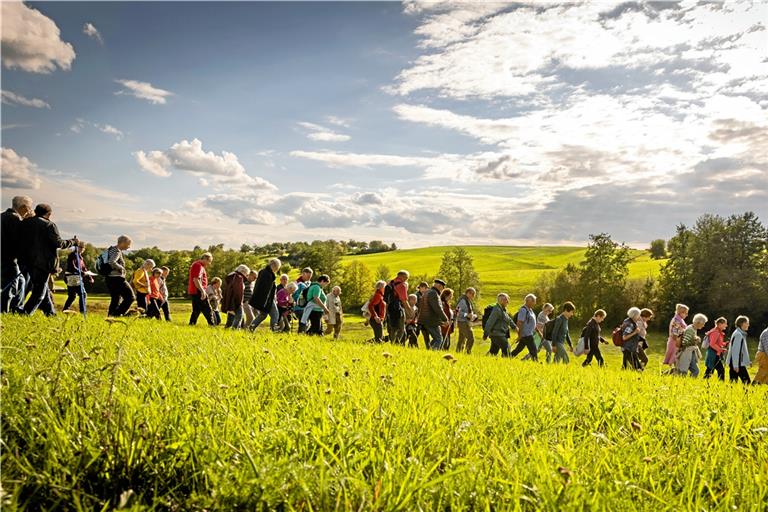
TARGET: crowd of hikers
(31,241)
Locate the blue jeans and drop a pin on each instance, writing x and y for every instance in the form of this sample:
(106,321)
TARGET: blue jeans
(13,284)
(433,331)
(561,355)
(259,316)
(274,316)
(40,296)
(235,319)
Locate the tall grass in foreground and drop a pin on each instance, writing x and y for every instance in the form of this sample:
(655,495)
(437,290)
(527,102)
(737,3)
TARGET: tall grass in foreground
(99,416)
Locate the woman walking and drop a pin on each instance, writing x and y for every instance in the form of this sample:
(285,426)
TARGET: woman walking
(592,339)
(676,328)
(214,299)
(447,329)
(631,336)
(560,333)
(335,313)
(155,296)
(716,346)
(377,309)
(232,296)
(74,276)
(689,355)
(646,315)
(738,352)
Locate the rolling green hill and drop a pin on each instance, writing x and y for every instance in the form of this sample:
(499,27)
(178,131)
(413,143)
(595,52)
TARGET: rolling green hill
(501,268)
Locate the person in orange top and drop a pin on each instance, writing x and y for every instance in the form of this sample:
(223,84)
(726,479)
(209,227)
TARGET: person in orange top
(717,347)
(154,295)
(378,310)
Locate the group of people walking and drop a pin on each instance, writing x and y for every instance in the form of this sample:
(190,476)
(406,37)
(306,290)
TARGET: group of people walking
(31,241)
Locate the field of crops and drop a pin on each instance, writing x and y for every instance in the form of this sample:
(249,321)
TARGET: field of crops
(145,414)
(501,268)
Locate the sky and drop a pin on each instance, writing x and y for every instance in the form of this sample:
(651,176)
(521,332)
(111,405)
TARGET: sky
(196,123)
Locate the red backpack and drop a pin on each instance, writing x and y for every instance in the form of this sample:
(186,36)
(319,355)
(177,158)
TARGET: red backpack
(618,337)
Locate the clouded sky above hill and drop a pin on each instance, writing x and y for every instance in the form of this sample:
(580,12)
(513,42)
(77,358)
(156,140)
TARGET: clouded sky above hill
(186,124)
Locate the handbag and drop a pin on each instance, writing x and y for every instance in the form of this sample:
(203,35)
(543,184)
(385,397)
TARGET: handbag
(73,279)
(580,350)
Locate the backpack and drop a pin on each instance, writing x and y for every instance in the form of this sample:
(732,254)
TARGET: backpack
(618,334)
(549,329)
(301,300)
(705,342)
(103,268)
(364,309)
(390,297)
(487,314)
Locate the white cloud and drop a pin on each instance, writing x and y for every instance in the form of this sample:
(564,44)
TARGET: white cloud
(190,157)
(18,171)
(31,41)
(339,159)
(321,133)
(91,31)
(338,121)
(144,91)
(80,124)
(11,98)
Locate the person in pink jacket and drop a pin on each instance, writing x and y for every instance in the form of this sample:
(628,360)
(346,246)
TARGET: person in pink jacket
(676,328)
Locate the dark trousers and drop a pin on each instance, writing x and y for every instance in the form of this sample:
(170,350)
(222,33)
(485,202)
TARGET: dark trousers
(378,331)
(412,333)
(315,323)
(717,367)
(425,334)
(499,344)
(396,327)
(434,332)
(166,311)
(199,306)
(13,282)
(39,296)
(75,291)
(526,342)
(141,300)
(742,374)
(153,308)
(121,296)
(630,360)
(259,317)
(594,353)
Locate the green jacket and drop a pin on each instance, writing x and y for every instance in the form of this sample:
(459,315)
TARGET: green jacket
(560,332)
(498,323)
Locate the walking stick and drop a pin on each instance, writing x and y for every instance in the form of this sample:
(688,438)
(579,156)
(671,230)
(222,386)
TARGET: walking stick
(79,263)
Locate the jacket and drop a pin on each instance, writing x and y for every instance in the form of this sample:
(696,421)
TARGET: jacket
(464,309)
(560,332)
(376,306)
(738,352)
(10,244)
(431,312)
(264,290)
(447,329)
(42,240)
(591,334)
(717,340)
(234,289)
(499,323)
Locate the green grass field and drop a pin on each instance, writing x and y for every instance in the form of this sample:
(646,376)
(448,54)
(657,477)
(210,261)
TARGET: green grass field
(147,415)
(501,268)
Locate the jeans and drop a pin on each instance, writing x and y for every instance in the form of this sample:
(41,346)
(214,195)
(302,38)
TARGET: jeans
(466,336)
(199,306)
(13,283)
(258,317)
(166,310)
(153,308)
(499,344)
(629,360)
(249,314)
(75,291)
(546,345)
(274,316)
(436,334)
(594,353)
(714,363)
(396,328)
(561,355)
(121,296)
(234,318)
(687,361)
(378,331)
(39,294)
(523,342)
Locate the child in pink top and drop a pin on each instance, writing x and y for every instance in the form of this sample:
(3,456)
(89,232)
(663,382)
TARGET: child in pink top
(676,328)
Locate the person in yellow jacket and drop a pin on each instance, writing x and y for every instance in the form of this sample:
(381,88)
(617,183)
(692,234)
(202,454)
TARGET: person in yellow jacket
(140,282)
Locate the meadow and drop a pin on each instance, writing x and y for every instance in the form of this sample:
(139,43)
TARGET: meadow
(511,269)
(144,415)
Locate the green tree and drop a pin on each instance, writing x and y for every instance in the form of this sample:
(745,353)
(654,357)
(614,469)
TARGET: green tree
(658,249)
(382,273)
(457,269)
(356,285)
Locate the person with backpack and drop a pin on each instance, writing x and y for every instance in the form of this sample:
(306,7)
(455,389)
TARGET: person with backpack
(111,265)
(676,328)
(396,297)
(316,305)
(198,289)
(738,352)
(377,309)
(525,323)
(465,315)
(762,359)
(140,282)
(715,344)
(232,296)
(299,297)
(431,315)
(497,325)
(592,339)
(630,336)
(41,259)
(541,321)
(560,334)
(75,273)
(264,292)
(11,254)
(689,354)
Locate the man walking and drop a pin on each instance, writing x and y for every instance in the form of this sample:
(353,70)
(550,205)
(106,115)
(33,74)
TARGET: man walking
(432,316)
(121,294)
(396,297)
(197,289)
(525,321)
(13,281)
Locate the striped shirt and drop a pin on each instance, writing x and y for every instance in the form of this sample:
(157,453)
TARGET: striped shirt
(116,261)
(248,291)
